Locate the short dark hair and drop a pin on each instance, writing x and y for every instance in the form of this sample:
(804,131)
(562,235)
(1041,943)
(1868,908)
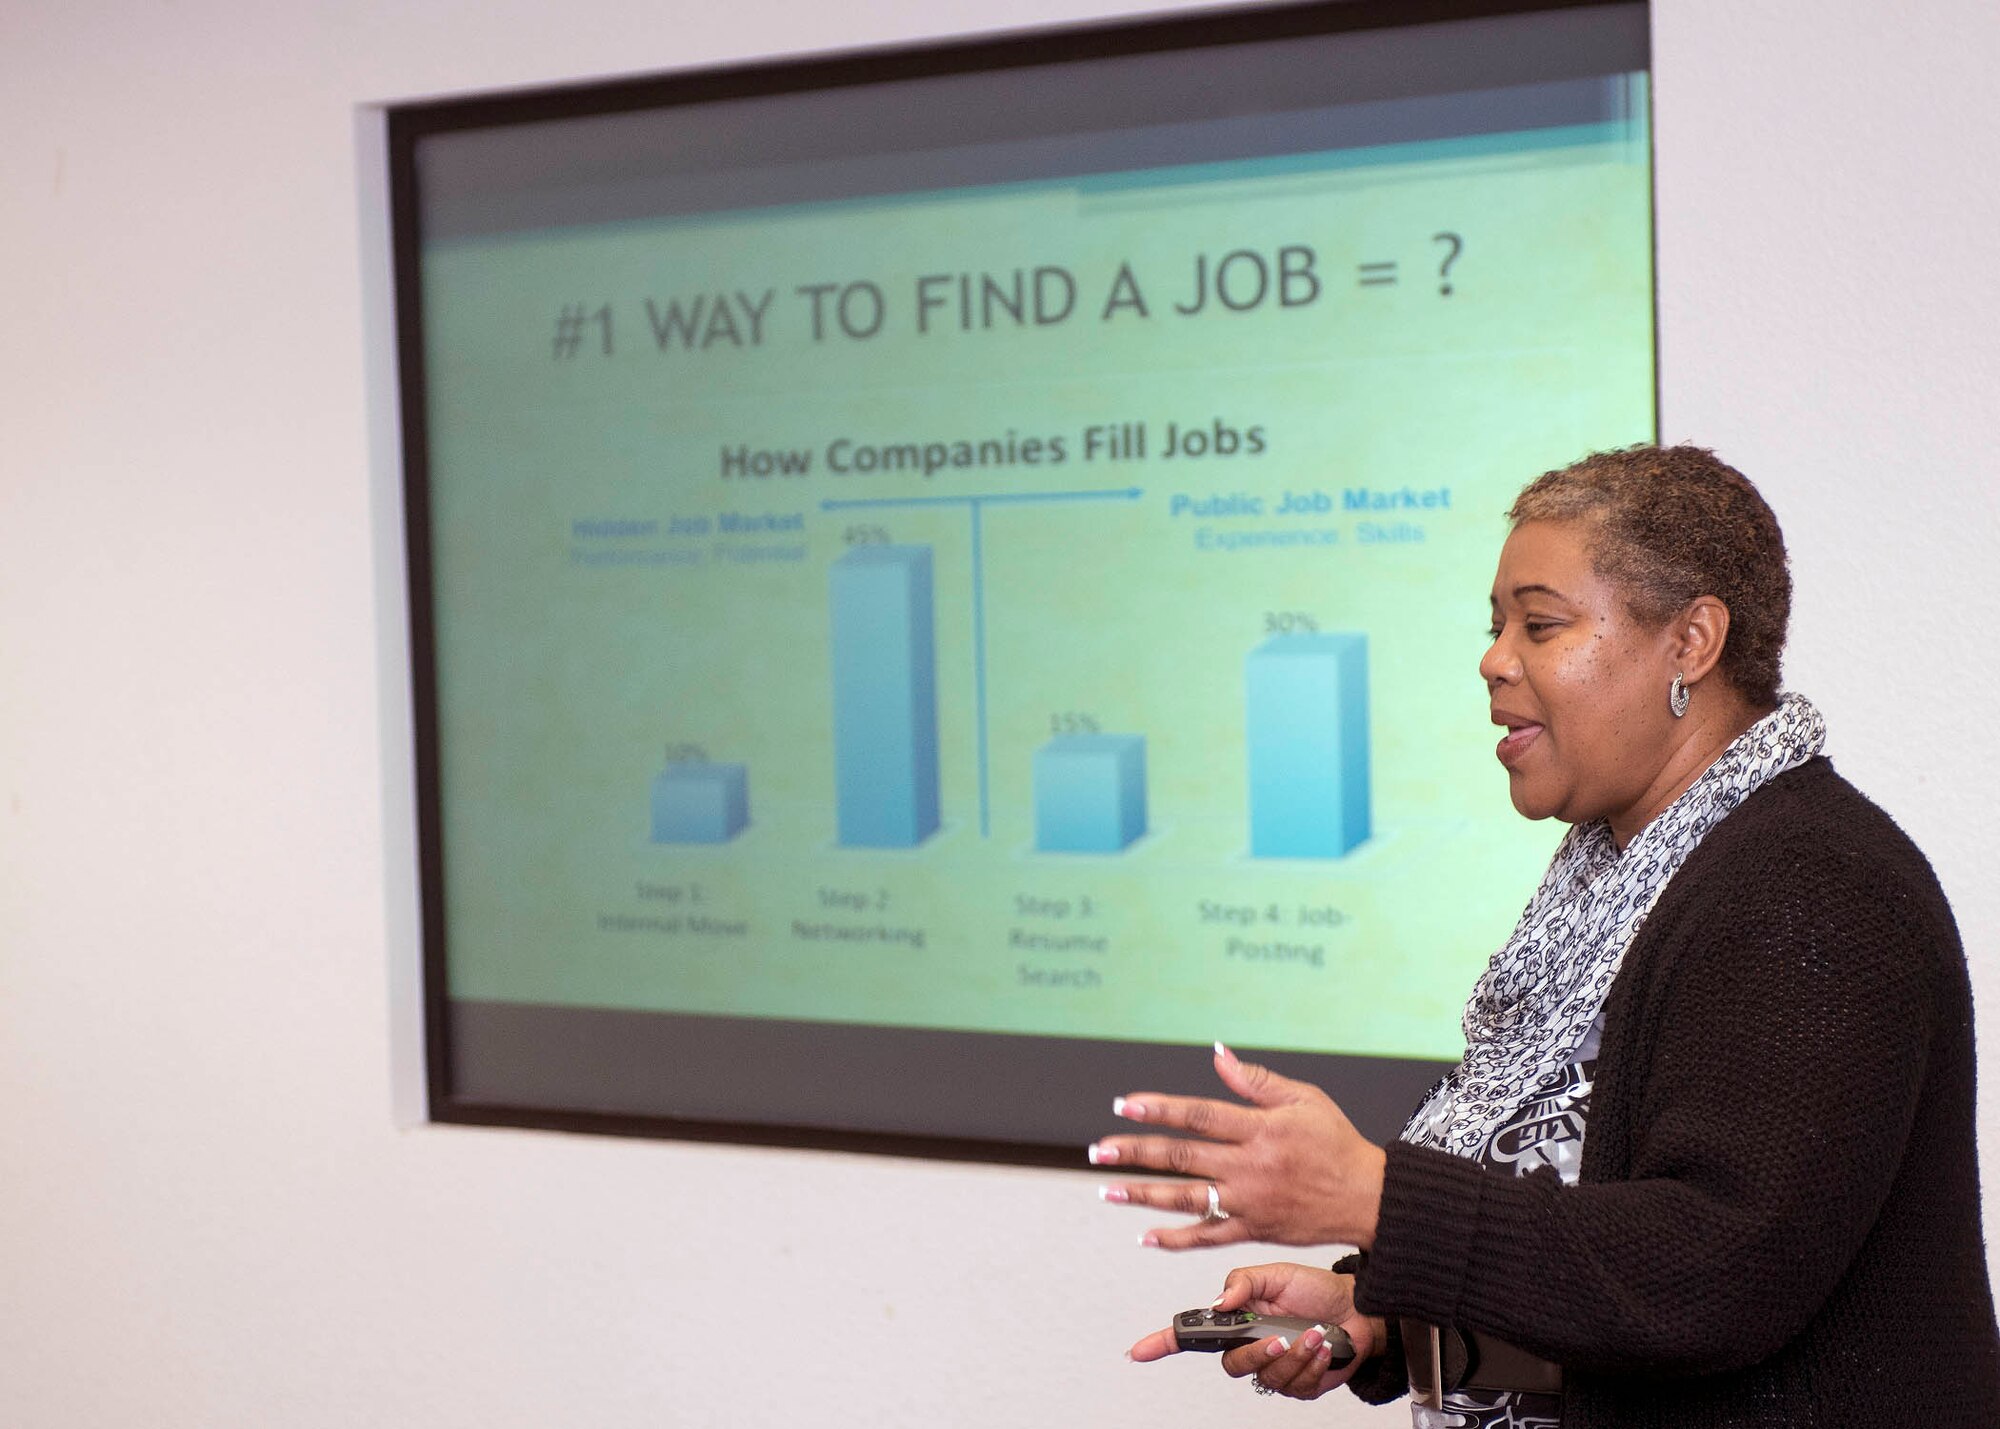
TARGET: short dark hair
(1673,523)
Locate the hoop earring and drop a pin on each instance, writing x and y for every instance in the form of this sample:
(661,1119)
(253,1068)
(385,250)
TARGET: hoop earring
(1677,696)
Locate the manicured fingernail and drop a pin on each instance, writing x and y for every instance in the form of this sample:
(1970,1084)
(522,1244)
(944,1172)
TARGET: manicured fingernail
(1314,1338)
(1102,1155)
(1325,1353)
(1223,1054)
(1113,1193)
(1149,1239)
(1130,1110)
(1279,1346)
(1217,1300)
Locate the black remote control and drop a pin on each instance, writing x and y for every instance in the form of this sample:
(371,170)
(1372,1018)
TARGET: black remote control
(1218,1330)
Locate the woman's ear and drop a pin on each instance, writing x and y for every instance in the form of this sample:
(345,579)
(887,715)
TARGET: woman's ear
(1703,629)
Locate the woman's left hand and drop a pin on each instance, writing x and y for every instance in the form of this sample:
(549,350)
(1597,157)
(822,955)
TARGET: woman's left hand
(1289,1168)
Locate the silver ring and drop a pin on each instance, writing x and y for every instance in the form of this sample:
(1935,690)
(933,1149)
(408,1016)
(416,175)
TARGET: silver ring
(1261,1387)
(1215,1211)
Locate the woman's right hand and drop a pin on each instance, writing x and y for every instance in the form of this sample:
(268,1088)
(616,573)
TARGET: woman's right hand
(1284,1289)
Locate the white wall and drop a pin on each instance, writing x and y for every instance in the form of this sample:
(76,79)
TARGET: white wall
(208,1216)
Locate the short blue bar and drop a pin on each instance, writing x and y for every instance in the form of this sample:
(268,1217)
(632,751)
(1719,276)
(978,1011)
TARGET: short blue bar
(1090,793)
(700,803)
(885,745)
(1307,736)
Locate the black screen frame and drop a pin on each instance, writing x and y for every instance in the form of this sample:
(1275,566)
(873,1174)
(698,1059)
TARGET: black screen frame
(1376,1092)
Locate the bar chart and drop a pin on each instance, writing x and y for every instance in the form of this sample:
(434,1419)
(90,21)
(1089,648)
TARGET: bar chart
(885,728)
(1306,737)
(1090,793)
(696,802)
(1305,752)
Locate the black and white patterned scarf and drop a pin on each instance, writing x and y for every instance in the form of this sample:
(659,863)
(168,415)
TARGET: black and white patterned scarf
(1540,994)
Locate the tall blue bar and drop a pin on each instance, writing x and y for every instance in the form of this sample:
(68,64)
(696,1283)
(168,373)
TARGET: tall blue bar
(1307,731)
(1090,793)
(885,746)
(700,803)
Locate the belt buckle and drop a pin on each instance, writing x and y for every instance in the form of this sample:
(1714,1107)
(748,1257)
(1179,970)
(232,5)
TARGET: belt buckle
(1423,1352)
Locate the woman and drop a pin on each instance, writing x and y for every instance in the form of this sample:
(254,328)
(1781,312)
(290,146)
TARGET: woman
(1708,1158)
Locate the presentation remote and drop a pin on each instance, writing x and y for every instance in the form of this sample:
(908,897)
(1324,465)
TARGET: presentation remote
(1218,1330)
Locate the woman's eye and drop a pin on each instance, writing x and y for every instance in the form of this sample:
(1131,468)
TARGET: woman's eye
(1534,629)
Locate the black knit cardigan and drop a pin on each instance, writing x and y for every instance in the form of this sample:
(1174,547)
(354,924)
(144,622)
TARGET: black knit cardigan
(1777,1217)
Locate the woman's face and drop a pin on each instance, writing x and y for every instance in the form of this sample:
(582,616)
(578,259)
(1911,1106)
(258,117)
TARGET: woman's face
(1579,684)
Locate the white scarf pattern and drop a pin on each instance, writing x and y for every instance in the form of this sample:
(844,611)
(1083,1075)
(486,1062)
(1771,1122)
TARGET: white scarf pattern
(1542,991)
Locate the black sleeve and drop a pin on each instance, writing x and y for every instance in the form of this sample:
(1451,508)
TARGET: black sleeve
(1384,1375)
(1778,1057)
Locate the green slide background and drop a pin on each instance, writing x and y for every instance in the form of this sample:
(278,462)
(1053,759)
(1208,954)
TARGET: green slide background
(569,664)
